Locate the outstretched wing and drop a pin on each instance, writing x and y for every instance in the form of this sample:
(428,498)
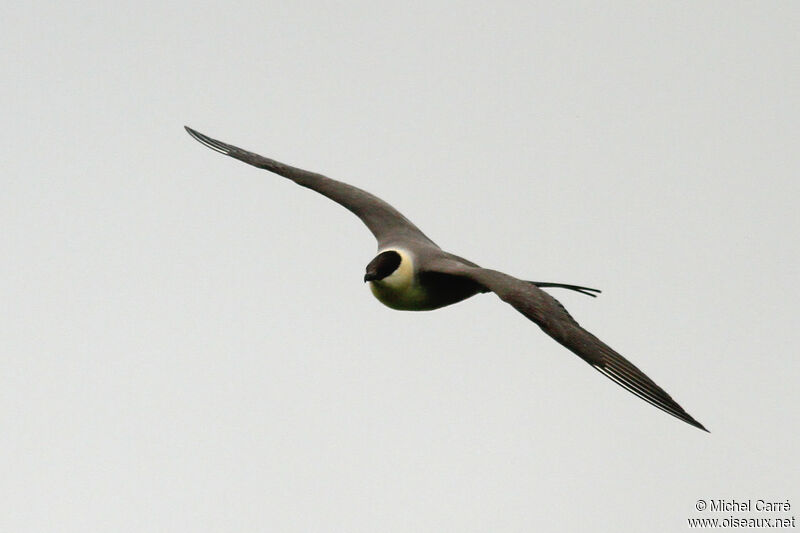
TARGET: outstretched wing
(384,221)
(550,315)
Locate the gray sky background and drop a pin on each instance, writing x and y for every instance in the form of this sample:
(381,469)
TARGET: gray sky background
(187,343)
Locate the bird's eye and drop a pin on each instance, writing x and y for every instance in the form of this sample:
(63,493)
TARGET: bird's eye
(384,264)
(389,261)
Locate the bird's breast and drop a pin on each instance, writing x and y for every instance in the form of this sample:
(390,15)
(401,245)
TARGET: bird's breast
(433,292)
(406,289)
(410,297)
(401,289)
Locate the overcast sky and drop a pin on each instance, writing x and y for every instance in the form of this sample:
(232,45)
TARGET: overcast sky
(186,343)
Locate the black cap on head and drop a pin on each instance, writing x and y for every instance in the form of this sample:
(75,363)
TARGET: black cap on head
(383,265)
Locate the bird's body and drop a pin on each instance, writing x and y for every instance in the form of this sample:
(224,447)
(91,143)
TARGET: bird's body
(412,273)
(414,286)
(401,289)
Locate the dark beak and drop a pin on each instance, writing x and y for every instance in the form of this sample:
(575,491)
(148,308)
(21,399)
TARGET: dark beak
(370,276)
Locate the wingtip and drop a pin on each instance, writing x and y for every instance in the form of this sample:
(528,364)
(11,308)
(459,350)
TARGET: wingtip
(689,419)
(692,422)
(207,141)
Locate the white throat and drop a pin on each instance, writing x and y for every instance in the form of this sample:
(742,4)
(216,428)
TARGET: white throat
(403,276)
(399,290)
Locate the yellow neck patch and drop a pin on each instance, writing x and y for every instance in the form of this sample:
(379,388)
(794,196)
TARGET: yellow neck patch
(399,290)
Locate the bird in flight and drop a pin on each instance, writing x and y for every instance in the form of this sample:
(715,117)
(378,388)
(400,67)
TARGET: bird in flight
(411,273)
